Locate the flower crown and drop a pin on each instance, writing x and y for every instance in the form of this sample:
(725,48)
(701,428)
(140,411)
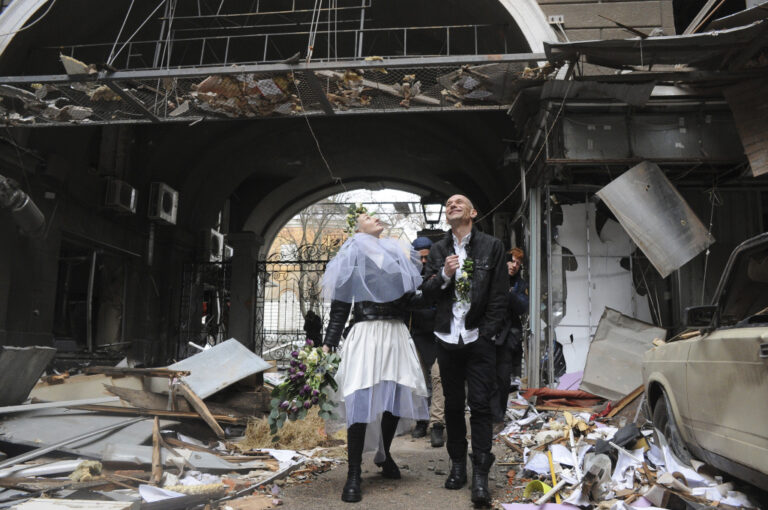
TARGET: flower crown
(353,211)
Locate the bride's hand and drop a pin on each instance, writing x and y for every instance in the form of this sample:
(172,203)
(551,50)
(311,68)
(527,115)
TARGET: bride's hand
(326,349)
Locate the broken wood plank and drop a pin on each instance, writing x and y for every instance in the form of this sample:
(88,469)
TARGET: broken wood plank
(134,411)
(65,403)
(157,463)
(621,404)
(198,404)
(147,399)
(149,372)
(543,407)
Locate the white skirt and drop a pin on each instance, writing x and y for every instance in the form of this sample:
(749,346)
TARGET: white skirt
(380,371)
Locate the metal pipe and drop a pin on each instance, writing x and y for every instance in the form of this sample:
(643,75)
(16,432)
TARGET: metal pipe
(89,304)
(550,328)
(42,451)
(534,351)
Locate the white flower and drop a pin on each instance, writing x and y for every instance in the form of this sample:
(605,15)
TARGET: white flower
(312,358)
(464,275)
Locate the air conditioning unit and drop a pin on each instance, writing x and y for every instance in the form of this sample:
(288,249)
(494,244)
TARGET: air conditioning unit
(120,196)
(212,246)
(228,252)
(163,203)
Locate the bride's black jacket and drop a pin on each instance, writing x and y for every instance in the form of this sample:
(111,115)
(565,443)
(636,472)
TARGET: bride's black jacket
(367,311)
(489,284)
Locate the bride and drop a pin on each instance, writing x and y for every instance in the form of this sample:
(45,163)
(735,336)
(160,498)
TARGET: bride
(379,378)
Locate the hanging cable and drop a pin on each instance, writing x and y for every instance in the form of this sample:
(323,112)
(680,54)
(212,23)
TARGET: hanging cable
(714,200)
(33,23)
(334,178)
(313,26)
(113,57)
(110,59)
(533,162)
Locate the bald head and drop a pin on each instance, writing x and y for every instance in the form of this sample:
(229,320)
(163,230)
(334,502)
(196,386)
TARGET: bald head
(459,211)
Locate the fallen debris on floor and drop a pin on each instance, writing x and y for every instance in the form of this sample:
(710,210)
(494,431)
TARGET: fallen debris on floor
(82,449)
(612,459)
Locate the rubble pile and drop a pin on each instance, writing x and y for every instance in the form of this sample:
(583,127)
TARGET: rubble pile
(601,459)
(162,438)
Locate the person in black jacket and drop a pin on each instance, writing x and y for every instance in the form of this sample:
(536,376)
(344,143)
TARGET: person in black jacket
(466,277)
(509,345)
(379,378)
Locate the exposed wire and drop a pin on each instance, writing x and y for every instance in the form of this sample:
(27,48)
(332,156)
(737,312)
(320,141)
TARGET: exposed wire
(125,43)
(714,200)
(334,178)
(536,158)
(33,23)
(111,59)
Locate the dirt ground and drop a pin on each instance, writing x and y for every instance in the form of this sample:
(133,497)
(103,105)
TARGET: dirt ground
(423,468)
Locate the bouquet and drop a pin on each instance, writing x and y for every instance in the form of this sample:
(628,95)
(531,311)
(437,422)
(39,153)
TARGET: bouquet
(309,383)
(464,282)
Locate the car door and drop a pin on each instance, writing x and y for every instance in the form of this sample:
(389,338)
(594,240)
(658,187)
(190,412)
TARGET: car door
(727,382)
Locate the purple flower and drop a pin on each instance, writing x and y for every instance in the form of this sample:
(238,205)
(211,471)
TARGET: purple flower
(284,404)
(294,409)
(307,404)
(315,393)
(295,354)
(315,400)
(302,366)
(300,374)
(294,362)
(310,342)
(307,388)
(291,370)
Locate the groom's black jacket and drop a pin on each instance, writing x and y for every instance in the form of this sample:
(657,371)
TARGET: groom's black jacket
(489,284)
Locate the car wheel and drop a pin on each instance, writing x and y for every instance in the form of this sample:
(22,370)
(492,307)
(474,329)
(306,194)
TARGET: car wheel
(664,421)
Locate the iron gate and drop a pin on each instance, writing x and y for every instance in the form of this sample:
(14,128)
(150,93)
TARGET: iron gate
(289,289)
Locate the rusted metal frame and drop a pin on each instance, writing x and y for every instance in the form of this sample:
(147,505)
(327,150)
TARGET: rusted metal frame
(196,72)
(132,100)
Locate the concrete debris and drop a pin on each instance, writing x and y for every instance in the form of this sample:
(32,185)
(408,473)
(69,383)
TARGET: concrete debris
(245,95)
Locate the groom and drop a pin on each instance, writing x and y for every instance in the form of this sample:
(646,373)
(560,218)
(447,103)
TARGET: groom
(466,276)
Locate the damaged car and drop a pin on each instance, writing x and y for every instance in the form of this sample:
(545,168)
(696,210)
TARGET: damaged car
(707,388)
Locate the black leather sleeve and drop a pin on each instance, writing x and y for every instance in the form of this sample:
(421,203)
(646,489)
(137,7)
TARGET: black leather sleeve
(337,319)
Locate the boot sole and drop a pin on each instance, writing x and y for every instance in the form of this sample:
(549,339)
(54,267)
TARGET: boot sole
(351,499)
(455,487)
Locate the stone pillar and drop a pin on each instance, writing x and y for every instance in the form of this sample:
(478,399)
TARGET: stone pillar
(242,311)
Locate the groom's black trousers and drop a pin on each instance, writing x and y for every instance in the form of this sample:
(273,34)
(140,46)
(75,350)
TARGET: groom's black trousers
(475,364)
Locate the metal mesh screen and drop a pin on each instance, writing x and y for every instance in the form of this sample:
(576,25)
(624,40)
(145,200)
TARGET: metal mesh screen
(265,94)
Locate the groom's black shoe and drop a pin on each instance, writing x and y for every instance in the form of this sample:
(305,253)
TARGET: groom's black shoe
(457,478)
(481,465)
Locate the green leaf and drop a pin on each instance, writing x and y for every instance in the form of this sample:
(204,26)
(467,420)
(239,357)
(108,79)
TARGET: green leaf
(274,414)
(327,406)
(302,414)
(274,402)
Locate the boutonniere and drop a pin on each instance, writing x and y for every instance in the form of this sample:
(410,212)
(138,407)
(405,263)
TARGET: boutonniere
(464,281)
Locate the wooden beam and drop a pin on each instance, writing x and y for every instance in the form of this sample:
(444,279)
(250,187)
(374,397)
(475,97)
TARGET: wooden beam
(199,406)
(621,404)
(134,411)
(157,462)
(698,20)
(148,372)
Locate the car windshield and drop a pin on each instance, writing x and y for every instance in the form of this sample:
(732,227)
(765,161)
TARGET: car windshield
(746,292)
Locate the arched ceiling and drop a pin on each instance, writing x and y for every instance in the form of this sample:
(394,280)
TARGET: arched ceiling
(506,26)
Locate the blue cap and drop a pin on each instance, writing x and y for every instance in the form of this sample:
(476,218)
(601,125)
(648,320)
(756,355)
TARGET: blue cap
(421,243)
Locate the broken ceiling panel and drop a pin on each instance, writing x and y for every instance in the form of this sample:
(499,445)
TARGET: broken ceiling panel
(20,368)
(749,104)
(706,51)
(616,353)
(656,217)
